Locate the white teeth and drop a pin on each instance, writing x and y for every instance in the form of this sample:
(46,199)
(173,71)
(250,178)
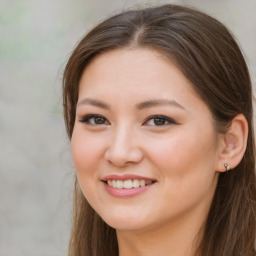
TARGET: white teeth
(136,183)
(128,183)
(142,183)
(114,183)
(119,184)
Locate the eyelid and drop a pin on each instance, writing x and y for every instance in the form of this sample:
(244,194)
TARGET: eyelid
(166,118)
(85,119)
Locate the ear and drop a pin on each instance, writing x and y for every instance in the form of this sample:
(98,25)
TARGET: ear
(232,144)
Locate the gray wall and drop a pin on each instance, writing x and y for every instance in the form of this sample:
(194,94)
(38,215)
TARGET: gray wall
(36,171)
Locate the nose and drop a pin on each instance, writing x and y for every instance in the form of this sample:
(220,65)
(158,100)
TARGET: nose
(123,148)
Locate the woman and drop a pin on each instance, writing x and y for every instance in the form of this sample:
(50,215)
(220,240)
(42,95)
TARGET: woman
(158,107)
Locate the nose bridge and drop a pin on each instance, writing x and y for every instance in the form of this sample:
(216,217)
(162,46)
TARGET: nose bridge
(123,147)
(121,134)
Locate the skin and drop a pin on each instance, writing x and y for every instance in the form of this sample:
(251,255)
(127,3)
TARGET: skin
(182,155)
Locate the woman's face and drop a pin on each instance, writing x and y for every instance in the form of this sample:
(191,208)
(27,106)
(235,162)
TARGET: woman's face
(144,145)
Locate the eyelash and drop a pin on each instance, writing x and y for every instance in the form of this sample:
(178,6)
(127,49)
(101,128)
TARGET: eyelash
(166,120)
(86,119)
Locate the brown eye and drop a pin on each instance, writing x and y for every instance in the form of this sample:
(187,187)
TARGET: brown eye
(94,120)
(99,120)
(159,120)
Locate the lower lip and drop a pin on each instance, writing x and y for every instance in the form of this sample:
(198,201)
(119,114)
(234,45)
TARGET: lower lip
(126,192)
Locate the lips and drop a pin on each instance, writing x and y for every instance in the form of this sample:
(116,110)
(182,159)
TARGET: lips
(127,185)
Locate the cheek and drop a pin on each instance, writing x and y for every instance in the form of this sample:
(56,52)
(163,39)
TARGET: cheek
(86,157)
(183,155)
(86,152)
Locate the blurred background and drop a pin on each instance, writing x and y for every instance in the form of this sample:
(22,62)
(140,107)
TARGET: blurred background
(36,170)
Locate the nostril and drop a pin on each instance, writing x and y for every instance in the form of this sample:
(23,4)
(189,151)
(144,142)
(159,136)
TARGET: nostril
(121,157)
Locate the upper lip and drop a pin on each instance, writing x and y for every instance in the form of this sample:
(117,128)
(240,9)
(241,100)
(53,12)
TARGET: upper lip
(126,177)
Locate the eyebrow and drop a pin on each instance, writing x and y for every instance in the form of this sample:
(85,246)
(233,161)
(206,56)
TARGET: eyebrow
(154,103)
(97,103)
(142,105)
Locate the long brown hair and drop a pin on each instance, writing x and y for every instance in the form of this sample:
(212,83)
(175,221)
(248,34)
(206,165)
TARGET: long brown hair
(207,54)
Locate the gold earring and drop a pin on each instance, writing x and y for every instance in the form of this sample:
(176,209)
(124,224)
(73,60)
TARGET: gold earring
(227,166)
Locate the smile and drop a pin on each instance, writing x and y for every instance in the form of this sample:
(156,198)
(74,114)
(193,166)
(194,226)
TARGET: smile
(128,183)
(124,186)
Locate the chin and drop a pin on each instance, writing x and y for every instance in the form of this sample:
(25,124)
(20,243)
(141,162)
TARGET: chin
(125,222)
(127,226)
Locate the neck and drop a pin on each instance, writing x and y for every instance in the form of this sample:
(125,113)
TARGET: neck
(179,238)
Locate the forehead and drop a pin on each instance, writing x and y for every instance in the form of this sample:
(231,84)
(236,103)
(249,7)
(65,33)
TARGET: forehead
(139,69)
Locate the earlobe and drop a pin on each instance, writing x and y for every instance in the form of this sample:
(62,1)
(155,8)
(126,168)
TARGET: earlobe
(233,144)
